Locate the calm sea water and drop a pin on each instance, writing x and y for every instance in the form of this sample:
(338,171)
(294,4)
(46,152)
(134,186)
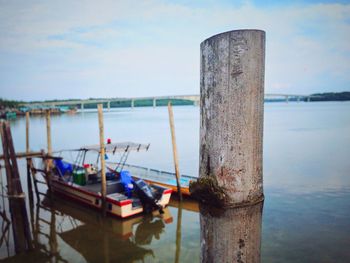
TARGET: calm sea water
(306,215)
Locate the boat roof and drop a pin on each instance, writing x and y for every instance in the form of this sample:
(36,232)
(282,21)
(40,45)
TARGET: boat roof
(117,147)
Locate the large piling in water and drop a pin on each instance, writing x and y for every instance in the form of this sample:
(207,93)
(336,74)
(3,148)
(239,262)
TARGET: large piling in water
(231,136)
(231,127)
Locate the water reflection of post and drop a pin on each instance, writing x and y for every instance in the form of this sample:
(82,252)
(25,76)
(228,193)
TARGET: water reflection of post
(232,236)
(53,235)
(35,225)
(178,233)
(106,247)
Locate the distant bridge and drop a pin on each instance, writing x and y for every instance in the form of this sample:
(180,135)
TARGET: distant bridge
(194,98)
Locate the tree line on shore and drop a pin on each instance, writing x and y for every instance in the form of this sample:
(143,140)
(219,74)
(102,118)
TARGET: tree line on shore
(329,96)
(13,104)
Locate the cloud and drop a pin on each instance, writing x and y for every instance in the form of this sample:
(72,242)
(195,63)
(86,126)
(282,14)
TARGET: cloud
(139,48)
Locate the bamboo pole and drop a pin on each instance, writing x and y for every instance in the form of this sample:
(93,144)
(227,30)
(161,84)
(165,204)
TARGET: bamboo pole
(175,155)
(27,132)
(49,151)
(29,160)
(102,156)
(48,132)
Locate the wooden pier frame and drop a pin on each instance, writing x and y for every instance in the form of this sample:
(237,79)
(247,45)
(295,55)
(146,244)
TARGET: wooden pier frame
(19,216)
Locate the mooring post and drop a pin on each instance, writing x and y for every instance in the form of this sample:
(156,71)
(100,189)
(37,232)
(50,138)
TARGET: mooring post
(231,136)
(231,127)
(102,156)
(48,133)
(175,156)
(27,132)
(29,160)
(49,149)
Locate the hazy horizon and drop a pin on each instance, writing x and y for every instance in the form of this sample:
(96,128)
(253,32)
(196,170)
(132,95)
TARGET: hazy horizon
(60,50)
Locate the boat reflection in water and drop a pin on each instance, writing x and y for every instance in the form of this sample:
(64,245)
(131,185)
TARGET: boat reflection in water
(99,239)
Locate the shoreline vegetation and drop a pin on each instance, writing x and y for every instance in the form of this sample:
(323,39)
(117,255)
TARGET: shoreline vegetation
(11,107)
(113,104)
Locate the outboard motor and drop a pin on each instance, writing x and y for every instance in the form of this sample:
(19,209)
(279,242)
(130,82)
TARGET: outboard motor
(148,199)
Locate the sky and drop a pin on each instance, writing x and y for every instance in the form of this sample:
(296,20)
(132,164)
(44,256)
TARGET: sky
(109,48)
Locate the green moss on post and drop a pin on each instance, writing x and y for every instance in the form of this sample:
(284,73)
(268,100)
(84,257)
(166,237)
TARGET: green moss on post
(207,191)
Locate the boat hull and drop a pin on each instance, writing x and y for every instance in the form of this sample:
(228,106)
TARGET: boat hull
(114,207)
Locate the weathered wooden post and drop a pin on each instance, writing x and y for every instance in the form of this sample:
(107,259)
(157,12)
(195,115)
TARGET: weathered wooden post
(231,136)
(102,156)
(173,140)
(16,196)
(231,127)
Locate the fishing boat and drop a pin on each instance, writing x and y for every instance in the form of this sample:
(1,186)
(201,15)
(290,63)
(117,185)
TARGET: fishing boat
(126,195)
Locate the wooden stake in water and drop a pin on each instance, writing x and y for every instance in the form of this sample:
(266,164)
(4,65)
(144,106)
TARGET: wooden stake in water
(49,149)
(29,160)
(48,132)
(102,156)
(173,139)
(27,132)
